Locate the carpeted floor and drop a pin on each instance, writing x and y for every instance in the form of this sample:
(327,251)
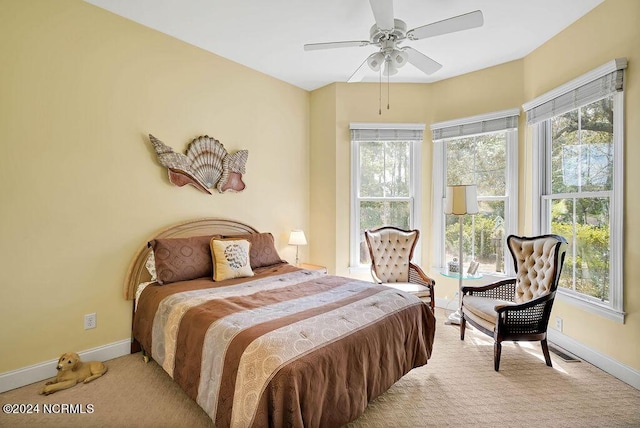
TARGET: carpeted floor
(457,388)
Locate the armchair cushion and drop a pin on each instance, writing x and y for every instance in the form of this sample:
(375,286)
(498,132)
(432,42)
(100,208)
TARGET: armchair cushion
(483,309)
(490,326)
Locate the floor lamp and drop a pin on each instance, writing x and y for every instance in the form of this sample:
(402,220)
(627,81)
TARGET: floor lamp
(460,200)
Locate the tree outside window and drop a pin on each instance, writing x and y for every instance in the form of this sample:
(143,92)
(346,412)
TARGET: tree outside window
(577,132)
(385,190)
(581,180)
(480,150)
(385,181)
(480,160)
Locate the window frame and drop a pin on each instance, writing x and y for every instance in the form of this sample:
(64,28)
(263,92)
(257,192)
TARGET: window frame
(415,198)
(541,189)
(439,173)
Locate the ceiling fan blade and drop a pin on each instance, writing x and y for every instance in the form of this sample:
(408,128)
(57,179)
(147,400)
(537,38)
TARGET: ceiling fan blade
(332,45)
(457,23)
(421,61)
(383,13)
(360,72)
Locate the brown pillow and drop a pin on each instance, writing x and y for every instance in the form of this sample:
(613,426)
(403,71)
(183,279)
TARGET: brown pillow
(263,249)
(181,259)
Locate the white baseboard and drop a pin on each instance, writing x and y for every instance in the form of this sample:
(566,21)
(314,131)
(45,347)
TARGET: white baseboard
(446,304)
(598,359)
(38,372)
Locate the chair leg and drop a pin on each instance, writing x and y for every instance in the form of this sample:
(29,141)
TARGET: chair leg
(545,351)
(463,326)
(497,350)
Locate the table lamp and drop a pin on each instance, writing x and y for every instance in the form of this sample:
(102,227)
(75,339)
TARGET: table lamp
(297,238)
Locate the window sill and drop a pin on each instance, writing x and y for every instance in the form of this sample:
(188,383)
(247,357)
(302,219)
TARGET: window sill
(589,306)
(359,269)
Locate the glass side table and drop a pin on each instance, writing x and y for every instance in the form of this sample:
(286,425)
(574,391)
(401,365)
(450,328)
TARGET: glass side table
(454,318)
(465,276)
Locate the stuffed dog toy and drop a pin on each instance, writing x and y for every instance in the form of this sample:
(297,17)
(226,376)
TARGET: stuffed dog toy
(72,371)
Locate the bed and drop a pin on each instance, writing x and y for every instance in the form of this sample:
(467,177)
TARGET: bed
(281,346)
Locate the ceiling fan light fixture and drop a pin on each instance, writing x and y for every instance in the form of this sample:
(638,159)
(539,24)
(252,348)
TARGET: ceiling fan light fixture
(399,57)
(375,61)
(389,68)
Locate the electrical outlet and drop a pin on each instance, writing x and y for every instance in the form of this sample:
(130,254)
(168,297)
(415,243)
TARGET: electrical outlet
(90,321)
(558,323)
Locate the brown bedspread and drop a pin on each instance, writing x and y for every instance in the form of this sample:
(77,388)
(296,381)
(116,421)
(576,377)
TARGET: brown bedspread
(286,347)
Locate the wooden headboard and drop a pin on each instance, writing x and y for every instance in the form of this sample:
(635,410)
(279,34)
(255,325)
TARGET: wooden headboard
(137,272)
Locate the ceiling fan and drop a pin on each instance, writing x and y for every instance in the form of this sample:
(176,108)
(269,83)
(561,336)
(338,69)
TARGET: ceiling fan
(388,33)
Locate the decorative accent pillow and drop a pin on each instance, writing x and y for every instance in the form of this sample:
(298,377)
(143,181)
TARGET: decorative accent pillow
(230,258)
(182,259)
(150,264)
(263,249)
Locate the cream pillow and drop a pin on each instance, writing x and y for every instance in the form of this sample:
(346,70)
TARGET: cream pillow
(230,258)
(150,264)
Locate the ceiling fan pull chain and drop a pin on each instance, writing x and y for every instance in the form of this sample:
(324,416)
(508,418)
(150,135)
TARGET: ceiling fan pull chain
(380,92)
(388,92)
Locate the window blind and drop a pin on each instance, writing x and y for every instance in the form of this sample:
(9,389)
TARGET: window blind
(386,132)
(492,122)
(584,90)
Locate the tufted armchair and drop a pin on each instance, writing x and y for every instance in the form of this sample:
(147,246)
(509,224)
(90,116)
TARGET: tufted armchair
(391,250)
(518,308)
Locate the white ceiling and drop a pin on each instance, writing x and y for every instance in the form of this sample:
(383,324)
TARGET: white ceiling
(268,35)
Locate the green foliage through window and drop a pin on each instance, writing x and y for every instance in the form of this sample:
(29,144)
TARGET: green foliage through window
(479,160)
(385,194)
(581,180)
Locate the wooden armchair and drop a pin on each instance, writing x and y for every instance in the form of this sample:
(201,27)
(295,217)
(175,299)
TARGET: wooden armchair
(518,308)
(391,250)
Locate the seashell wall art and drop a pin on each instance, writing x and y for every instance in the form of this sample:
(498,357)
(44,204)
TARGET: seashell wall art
(206,165)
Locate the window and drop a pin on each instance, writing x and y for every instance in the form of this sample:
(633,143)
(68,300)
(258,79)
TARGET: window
(385,181)
(578,140)
(480,150)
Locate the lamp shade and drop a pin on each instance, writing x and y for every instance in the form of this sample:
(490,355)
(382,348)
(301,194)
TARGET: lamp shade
(297,238)
(461,199)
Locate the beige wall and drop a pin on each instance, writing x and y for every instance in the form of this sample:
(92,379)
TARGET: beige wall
(609,31)
(80,186)
(322,190)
